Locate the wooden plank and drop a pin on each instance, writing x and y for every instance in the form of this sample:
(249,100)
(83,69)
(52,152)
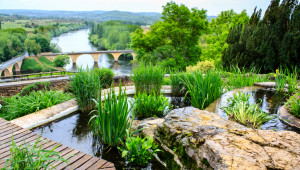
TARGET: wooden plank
(70,161)
(9,129)
(3,124)
(89,163)
(73,152)
(108,165)
(112,168)
(14,133)
(16,138)
(98,164)
(79,162)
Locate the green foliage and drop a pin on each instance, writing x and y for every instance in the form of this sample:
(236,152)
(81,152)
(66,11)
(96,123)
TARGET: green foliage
(145,106)
(213,42)
(203,88)
(173,41)
(31,156)
(61,60)
(266,43)
(32,47)
(112,118)
(177,85)
(86,86)
(202,66)
(32,65)
(148,78)
(112,35)
(11,43)
(292,81)
(46,61)
(106,76)
(240,110)
(293,105)
(138,151)
(17,106)
(280,80)
(35,87)
(167,81)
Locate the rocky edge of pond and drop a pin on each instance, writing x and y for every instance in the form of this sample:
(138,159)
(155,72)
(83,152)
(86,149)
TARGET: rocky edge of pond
(205,140)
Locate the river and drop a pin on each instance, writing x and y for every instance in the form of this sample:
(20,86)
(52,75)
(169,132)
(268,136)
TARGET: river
(78,41)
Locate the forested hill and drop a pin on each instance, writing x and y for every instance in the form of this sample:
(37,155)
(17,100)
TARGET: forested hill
(145,17)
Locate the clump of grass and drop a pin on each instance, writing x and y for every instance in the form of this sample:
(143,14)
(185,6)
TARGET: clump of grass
(177,85)
(293,104)
(106,76)
(148,78)
(17,106)
(292,77)
(46,61)
(280,80)
(112,118)
(151,105)
(31,156)
(86,86)
(240,110)
(203,88)
(35,87)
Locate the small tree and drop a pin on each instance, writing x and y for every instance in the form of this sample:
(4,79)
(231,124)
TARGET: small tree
(32,47)
(61,60)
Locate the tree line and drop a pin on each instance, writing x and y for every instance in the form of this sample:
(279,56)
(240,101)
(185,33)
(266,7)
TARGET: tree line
(112,35)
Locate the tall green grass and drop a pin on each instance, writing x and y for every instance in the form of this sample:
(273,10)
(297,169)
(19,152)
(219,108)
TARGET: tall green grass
(148,78)
(106,76)
(86,86)
(17,106)
(203,88)
(292,80)
(112,118)
(31,156)
(177,85)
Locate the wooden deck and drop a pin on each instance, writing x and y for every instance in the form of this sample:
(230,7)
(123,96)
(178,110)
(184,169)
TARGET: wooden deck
(77,160)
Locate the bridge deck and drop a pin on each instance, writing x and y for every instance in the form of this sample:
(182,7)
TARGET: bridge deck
(76,159)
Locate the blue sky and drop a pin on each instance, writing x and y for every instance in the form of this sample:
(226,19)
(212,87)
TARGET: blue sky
(213,7)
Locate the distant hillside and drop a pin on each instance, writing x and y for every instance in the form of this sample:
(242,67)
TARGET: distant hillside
(146,17)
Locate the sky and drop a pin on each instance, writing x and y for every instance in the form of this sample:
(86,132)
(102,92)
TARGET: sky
(213,7)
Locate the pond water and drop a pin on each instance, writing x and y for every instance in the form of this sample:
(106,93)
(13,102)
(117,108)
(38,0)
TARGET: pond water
(78,41)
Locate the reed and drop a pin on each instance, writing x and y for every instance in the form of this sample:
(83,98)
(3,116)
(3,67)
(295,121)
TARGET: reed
(177,85)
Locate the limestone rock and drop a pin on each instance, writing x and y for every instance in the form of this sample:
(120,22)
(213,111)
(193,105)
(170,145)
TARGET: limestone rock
(215,143)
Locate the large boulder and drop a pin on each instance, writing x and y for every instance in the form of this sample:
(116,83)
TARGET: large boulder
(205,140)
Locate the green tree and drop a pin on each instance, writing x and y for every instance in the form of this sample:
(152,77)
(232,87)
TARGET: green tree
(175,38)
(32,47)
(61,60)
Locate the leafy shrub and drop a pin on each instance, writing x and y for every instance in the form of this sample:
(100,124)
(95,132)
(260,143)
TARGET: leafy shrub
(138,151)
(86,86)
(61,60)
(148,78)
(17,106)
(35,87)
(112,118)
(31,156)
(151,105)
(293,105)
(202,66)
(106,76)
(240,110)
(203,88)
(167,81)
(177,85)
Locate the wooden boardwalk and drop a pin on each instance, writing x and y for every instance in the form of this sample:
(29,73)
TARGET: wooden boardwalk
(78,160)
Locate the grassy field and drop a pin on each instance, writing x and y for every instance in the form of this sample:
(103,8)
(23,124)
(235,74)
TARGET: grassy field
(45,61)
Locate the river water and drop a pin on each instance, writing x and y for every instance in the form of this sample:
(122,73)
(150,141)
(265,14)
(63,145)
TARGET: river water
(78,41)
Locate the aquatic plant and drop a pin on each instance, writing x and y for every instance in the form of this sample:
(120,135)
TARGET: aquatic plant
(148,78)
(177,85)
(293,104)
(152,105)
(280,80)
(240,110)
(112,118)
(292,77)
(86,86)
(31,156)
(203,88)
(17,106)
(137,150)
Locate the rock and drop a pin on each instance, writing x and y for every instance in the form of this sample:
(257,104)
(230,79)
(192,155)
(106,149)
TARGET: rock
(212,142)
(149,125)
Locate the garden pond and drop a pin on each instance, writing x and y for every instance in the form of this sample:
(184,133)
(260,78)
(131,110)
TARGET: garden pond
(74,131)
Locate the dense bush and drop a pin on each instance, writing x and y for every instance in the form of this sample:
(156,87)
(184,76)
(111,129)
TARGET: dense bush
(35,87)
(145,106)
(202,66)
(17,106)
(61,60)
(148,78)
(106,76)
(240,110)
(293,105)
(138,151)
(112,118)
(86,86)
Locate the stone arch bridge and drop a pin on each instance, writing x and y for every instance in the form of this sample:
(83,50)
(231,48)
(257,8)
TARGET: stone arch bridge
(95,54)
(13,65)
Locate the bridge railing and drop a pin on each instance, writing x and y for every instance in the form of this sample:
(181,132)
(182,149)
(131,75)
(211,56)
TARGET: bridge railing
(35,75)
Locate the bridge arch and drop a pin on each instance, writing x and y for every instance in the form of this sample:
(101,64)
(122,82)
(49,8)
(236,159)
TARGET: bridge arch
(6,72)
(126,56)
(16,68)
(118,54)
(85,60)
